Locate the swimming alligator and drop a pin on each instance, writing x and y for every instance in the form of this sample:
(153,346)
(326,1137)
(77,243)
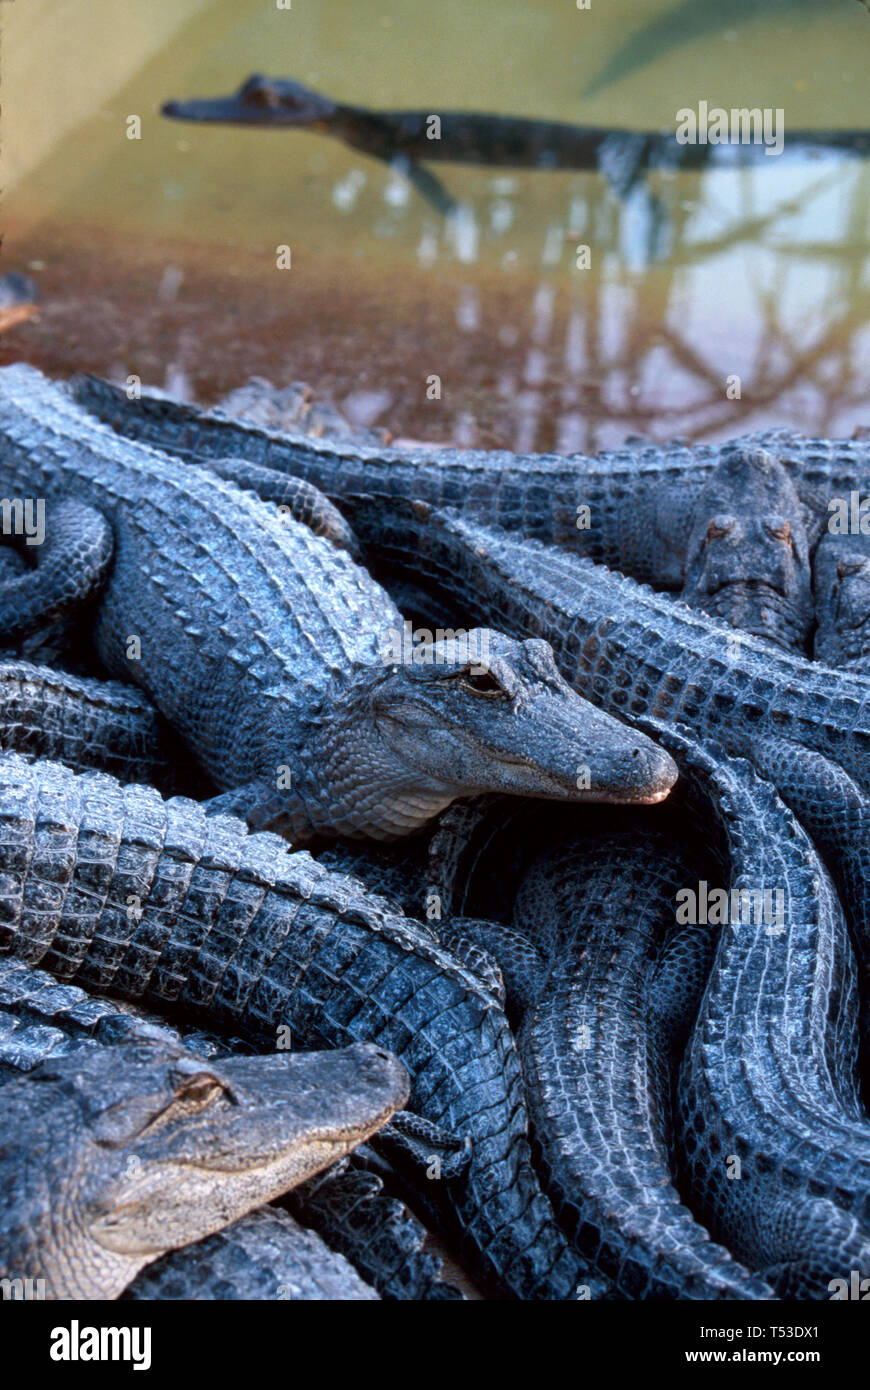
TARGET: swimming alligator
(271,652)
(119,1152)
(403,138)
(632,509)
(115,890)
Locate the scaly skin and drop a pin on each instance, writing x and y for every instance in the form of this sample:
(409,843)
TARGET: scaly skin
(116,890)
(639,499)
(836,814)
(636,652)
(266,1255)
(349,1208)
(114,1155)
(41,1018)
(84,723)
(748,560)
(841,571)
(603,986)
(774,1141)
(71,565)
(270,652)
(599,1065)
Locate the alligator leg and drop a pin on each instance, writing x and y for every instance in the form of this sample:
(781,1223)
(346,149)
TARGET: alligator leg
(350,1209)
(294,497)
(73,561)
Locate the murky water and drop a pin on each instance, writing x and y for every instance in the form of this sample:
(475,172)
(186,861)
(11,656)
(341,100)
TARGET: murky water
(158,255)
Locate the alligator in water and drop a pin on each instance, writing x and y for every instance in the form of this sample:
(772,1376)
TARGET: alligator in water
(115,890)
(122,1150)
(272,653)
(403,138)
(632,509)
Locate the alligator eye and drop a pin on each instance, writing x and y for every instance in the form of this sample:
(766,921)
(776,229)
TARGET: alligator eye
(849,567)
(719,526)
(200,1089)
(482,683)
(779,529)
(258,92)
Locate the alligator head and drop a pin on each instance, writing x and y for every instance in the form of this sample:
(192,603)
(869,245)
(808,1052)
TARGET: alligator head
(467,714)
(748,556)
(842,591)
(111,1157)
(259,101)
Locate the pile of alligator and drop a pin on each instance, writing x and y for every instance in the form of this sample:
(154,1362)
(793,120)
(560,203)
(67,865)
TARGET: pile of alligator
(428,874)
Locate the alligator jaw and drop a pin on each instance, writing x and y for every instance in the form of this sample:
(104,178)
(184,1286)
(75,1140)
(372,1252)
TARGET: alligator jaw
(258,102)
(150,1148)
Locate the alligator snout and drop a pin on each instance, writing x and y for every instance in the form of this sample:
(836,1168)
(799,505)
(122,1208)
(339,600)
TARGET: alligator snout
(645,776)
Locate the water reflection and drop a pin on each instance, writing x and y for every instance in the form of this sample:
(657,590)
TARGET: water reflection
(159,258)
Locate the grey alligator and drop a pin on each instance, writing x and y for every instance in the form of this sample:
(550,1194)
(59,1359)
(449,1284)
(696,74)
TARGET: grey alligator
(636,652)
(85,723)
(604,984)
(748,559)
(632,510)
(115,1154)
(271,652)
(841,581)
(404,138)
(112,888)
(266,1255)
(775,1142)
(41,1019)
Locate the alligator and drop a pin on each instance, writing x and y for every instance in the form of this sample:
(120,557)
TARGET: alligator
(349,1207)
(345,1203)
(774,1140)
(603,985)
(631,510)
(835,812)
(266,1255)
(403,138)
(841,582)
(294,408)
(118,1153)
(748,560)
(616,987)
(86,723)
(116,890)
(272,654)
(634,651)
